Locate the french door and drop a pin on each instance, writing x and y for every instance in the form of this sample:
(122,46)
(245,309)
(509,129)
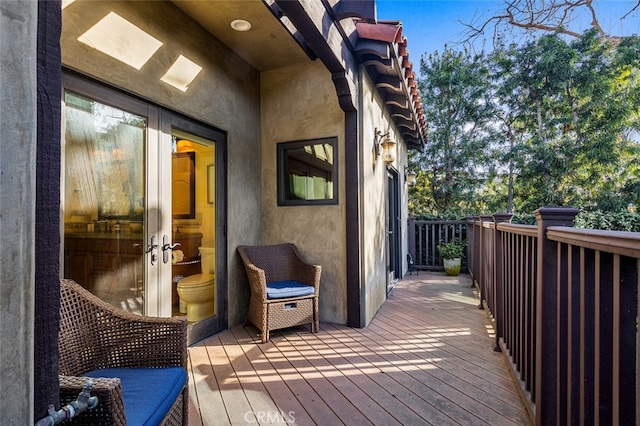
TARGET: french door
(142,197)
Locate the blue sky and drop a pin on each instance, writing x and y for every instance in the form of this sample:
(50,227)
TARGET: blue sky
(430,24)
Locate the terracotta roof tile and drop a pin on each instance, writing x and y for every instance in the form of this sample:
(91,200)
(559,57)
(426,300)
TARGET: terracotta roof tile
(380,64)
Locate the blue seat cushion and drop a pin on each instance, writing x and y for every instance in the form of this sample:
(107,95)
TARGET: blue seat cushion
(148,393)
(284,289)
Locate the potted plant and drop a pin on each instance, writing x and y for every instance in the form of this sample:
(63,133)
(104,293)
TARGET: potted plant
(452,253)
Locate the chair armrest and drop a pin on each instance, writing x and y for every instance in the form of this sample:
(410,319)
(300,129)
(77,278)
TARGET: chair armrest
(306,272)
(110,409)
(309,274)
(257,281)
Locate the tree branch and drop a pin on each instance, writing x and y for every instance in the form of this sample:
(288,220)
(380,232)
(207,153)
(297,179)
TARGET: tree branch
(636,7)
(555,16)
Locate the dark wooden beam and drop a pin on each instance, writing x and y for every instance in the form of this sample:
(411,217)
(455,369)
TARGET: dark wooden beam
(335,63)
(363,9)
(47,226)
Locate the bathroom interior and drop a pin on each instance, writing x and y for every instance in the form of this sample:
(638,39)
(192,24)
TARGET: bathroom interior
(107,237)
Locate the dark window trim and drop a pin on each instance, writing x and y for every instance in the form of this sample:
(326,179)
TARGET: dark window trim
(282,176)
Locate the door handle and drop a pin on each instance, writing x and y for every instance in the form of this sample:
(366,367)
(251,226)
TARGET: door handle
(167,248)
(151,248)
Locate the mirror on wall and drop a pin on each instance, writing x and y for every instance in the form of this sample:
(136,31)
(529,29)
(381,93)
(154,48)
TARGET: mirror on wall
(183,185)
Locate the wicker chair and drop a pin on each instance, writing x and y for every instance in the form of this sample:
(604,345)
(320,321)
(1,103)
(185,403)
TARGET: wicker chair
(95,335)
(268,266)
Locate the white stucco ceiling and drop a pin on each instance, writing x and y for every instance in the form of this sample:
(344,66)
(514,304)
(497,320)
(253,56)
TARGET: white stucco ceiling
(267,45)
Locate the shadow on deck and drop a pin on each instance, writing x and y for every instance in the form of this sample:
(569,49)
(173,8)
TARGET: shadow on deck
(426,358)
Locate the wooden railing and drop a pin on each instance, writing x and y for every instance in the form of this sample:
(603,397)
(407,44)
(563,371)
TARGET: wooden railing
(424,237)
(564,302)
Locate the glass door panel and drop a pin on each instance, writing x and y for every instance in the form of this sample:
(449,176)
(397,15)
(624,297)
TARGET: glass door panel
(104,200)
(193,225)
(143,205)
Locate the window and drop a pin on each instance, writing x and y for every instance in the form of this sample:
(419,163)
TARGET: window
(307,172)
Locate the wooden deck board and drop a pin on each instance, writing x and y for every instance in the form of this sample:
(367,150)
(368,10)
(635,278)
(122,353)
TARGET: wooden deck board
(365,375)
(205,385)
(274,384)
(426,358)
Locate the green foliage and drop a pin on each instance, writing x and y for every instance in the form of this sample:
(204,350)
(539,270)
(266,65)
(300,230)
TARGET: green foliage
(547,123)
(621,220)
(611,221)
(571,147)
(457,109)
(524,218)
(446,217)
(451,250)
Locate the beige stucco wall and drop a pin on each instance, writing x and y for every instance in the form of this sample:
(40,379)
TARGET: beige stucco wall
(226,94)
(374,187)
(299,103)
(18,27)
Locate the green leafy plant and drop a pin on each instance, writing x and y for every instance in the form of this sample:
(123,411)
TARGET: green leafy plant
(452,249)
(611,221)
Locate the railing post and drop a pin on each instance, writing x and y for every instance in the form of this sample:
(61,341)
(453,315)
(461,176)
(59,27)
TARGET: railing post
(470,253)
(411,225)
(546,394)
(476,253)
(482,275)
(498,278)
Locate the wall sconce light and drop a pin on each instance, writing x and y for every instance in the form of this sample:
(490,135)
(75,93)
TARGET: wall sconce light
(388,150)
(410,176)
(384,143)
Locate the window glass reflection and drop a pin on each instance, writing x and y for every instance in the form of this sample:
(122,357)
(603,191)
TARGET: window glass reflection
(307,172)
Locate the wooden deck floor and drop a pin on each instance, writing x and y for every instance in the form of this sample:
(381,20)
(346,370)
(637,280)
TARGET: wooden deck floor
(426,358)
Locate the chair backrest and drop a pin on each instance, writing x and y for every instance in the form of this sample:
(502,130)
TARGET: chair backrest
(279,261)
(76,331)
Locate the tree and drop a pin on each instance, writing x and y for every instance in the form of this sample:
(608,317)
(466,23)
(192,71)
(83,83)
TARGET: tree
(551,16)
(458,109)
(565,108)
(550,122)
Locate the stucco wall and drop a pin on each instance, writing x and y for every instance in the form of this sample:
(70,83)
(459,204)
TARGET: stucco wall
(299,103)
(226,94)
(374,187)
(18,27)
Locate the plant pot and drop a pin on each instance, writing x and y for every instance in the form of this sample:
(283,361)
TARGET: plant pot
(452,266)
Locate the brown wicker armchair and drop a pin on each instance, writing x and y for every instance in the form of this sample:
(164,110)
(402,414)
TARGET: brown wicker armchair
(95,335)
(273,272)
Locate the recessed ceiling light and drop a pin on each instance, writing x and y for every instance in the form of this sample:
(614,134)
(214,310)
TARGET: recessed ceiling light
(241,25)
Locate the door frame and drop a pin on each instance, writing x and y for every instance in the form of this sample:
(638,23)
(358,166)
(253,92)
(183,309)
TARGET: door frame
(158,119)
(394,229)
(170,120)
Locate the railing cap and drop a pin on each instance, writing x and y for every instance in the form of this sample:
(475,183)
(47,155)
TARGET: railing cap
(502,217)
(556,214)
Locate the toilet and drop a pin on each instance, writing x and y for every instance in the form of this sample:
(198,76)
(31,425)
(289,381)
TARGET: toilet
(197,290)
